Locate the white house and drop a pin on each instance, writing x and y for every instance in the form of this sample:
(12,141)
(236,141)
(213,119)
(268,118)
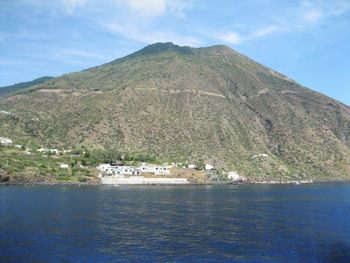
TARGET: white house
(209,167)
(128,170)
(103,167)
(5,141)
(64,166)
(52,151)
(260,155)
(144,168)
(192,166)
(234,176)
(161,170)
(111,170)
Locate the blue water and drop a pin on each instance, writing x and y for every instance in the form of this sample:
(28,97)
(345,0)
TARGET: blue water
(306,223)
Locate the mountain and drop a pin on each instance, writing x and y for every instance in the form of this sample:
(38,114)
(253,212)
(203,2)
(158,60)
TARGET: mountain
(22,85)
(199,104)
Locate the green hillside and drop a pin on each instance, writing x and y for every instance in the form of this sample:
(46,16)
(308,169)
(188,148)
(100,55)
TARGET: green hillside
(7,90)
(198,104)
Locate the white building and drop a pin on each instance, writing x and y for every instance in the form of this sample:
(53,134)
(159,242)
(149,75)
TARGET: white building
(234,176)
(5,141)
(128,170)
(144,168)
(192,166)
(111,170)
(64,166)
(161,170)
(260,155)
(52,151)
(209,167)
(131,170)
(103,167)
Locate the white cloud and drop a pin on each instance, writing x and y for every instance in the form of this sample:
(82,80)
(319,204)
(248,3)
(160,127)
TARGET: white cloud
(149,36)
(320,10)
(266,31)
(231,37)
(178,7)
(235,38)
(313,15)
(340,8)
(72,5)
(307,15)
(146,8)
(154,8)
(78,53)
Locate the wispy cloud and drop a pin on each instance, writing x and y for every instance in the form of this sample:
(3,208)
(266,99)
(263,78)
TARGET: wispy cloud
(148,36)
(266,31)
(78,53)
(231,37)
(312,15)
(154,8)
(235,38)
(178,7)
(318,11)
(305,17)
(72,5)
(145,8)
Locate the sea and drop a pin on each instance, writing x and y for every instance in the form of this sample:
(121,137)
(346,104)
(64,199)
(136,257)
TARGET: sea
(232,223)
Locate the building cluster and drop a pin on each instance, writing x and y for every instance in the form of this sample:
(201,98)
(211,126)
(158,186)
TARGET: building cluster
(122,170)
(52,151)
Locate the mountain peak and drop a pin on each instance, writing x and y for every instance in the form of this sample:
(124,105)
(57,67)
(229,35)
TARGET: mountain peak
(177,103)
(160,47)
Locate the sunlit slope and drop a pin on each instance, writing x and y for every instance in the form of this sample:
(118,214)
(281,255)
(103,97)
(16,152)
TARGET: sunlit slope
(197,104)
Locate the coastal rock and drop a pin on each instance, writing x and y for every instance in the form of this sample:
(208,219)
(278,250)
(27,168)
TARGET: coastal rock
(4,178)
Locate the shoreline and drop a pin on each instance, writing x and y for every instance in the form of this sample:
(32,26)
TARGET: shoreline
(50,183)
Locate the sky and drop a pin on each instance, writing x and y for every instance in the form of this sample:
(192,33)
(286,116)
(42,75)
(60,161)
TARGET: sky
(307,40)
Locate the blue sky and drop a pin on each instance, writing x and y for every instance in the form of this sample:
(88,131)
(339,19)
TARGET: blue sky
(309,41)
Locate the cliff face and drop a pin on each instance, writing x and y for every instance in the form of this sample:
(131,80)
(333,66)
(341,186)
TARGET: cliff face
(183,103)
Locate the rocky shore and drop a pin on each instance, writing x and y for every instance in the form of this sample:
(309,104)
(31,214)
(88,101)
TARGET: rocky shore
(26,179)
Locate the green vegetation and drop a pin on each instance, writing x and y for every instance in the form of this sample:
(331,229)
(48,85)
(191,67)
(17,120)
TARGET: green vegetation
(95,157)
(176,104)
(46,166)
(5,91)
(40,167)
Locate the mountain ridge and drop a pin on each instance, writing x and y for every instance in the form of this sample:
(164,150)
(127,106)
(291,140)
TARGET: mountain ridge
(10,89)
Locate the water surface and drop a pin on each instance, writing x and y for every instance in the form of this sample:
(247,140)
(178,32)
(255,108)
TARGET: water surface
(262,223)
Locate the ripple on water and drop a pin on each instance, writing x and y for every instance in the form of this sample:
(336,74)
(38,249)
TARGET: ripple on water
(308,223)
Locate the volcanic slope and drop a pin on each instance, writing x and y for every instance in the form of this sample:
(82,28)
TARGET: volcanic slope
(199,104)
